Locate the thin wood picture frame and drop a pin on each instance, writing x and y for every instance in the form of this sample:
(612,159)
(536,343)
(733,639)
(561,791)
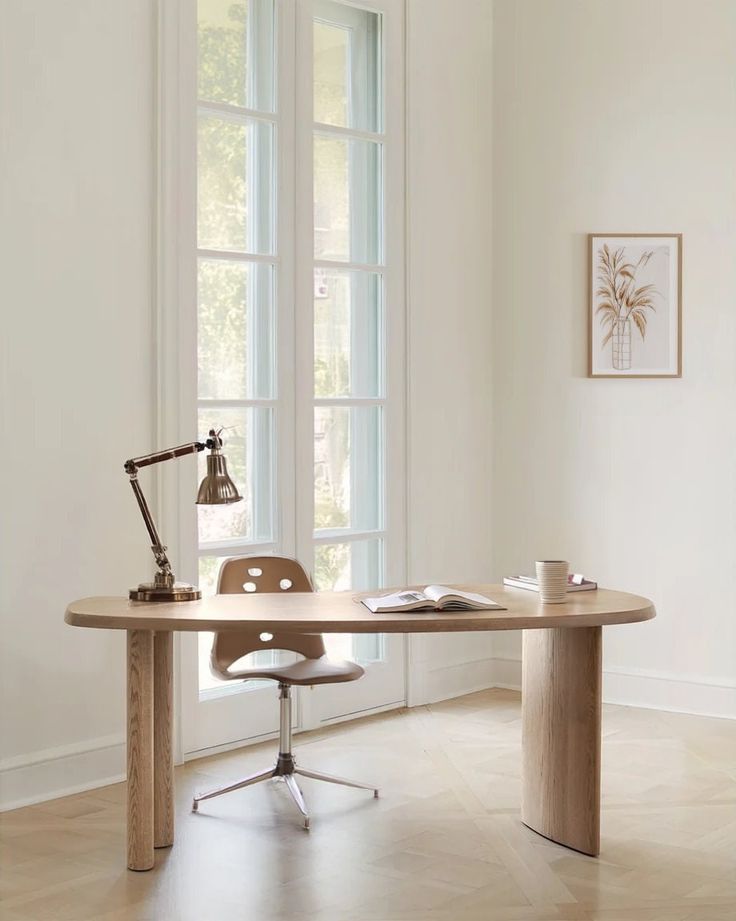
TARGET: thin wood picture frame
(635,305)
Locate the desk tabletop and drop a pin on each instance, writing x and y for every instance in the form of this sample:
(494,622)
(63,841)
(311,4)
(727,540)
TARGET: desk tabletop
(342,612)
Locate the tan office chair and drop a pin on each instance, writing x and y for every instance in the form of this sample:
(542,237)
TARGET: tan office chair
(276,574)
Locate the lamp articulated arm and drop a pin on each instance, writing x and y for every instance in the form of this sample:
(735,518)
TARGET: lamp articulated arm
(164,575)
(216,488)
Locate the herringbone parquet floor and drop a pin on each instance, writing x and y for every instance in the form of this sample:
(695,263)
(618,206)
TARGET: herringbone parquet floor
(443,843)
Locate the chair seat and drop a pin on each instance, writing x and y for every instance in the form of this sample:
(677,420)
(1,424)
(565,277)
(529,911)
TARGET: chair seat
(304,672)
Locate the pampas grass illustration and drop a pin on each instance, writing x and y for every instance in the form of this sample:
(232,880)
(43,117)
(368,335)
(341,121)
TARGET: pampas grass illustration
(620,298)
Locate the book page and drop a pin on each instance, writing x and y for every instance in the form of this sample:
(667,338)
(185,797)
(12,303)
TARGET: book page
(408,600)
(407,597)
(438,592)
(442,595)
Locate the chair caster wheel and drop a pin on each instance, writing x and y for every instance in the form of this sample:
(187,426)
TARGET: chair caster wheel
(195,806)
(306,824)
(375,794)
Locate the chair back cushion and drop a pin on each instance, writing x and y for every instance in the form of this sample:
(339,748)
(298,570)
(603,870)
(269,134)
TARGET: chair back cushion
(251,575)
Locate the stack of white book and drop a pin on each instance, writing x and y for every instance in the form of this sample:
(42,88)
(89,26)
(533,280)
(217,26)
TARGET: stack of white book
(575,583)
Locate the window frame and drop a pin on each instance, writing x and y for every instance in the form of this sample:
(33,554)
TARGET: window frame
(390,265)
(174,283)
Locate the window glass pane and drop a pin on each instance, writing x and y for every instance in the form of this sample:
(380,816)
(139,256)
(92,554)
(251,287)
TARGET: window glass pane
(209,567)
(347,333)
(352,565)
(363,648)
(235,46)
(347,74)
(207,681)
(347,467)
(331,81)
(235,200)
(235,334)
(355,565)
(347,199)
(248,447)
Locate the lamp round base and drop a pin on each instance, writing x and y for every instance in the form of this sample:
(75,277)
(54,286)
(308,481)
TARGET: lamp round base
(179,591)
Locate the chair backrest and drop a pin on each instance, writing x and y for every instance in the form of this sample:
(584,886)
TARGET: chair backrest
(250,575)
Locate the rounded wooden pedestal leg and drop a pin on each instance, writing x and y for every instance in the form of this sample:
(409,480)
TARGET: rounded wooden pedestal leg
(140,749)
(163,755)
(561,735)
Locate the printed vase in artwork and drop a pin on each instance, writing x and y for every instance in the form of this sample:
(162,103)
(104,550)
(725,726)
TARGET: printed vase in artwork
(621,304)
(621,344)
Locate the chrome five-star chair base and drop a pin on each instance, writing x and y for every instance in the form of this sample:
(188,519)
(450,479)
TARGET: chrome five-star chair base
(285,766)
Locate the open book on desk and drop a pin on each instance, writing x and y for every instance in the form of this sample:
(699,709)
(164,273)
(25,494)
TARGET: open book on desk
(432,598)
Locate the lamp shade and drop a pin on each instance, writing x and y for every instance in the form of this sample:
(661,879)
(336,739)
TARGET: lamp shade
(217,488)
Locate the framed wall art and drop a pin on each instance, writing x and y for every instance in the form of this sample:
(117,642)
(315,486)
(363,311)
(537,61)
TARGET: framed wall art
(635,305)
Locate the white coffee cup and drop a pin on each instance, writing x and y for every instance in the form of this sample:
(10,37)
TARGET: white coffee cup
(552,579)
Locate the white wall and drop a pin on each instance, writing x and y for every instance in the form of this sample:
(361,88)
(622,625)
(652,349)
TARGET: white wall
(449,327)
(77,192)
(76,198)
(619,115)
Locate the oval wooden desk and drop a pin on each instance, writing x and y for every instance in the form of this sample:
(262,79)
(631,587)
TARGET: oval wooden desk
(561,689)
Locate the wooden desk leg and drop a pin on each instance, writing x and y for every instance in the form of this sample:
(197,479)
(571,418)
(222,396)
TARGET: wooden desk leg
(163,754)
(140,749)
(561,735)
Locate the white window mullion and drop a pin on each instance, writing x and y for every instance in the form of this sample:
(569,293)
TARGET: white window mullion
(235,548)
(339,536)
(225,255)
(304,302)
(238,114)
(349,401)
(228,404)
(345,266)
(286,288)
(339,131)
(394,292)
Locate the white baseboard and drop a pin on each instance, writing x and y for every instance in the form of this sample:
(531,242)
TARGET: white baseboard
(455,680)
(661,691)
(61,771)
(506,674)
(70,769)
(649,690)
(296,730)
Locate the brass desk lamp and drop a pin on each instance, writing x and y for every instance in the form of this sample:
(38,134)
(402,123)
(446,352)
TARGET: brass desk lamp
(215,489)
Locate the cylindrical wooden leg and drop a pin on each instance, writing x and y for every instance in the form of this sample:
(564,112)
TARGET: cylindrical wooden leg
(163,755)
(140,749)
(561,735)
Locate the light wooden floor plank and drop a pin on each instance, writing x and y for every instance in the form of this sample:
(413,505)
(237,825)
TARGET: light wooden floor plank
(444,841)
